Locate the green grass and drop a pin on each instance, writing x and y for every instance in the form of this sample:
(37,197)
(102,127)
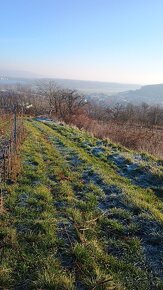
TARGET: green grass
(72,221)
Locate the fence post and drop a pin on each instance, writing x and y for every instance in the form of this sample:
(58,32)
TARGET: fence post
(8,152)
(15,126)
(1,201)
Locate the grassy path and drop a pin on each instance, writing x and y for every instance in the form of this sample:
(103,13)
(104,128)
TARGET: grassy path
(73,221)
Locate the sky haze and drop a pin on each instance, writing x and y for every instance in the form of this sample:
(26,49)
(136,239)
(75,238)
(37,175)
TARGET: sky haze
(102,40)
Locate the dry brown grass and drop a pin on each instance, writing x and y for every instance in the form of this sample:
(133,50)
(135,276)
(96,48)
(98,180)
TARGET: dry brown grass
(8,147)
(5,123)
(132,136)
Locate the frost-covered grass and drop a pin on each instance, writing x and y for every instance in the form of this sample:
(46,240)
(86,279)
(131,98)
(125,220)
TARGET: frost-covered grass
(73,221)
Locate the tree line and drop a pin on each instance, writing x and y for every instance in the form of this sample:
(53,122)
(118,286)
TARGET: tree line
(45,97)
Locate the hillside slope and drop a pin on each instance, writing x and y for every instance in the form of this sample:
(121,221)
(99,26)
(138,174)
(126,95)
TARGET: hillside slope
(84,214)
(150,94)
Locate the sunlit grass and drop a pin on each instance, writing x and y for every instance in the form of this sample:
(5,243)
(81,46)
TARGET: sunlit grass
(60,230)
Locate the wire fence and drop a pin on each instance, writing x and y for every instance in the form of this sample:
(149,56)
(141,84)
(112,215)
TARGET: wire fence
(11,136)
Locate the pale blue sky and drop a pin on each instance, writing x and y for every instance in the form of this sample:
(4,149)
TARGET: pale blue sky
(105,40)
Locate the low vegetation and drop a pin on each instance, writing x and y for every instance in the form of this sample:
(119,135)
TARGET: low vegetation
(84,214)
(5,124)
(138,127)
(135,137)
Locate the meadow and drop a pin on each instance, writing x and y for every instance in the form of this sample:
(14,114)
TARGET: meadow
(84,213)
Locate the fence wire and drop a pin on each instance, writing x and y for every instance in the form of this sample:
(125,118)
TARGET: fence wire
(9,149)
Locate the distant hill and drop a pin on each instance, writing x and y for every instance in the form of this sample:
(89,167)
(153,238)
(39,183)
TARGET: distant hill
(103,92)
(150,94)
(94,87)
(87,87)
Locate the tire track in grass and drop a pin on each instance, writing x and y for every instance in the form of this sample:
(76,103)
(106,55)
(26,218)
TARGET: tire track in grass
(77,267)
(86,277)
(88,175)
(114,178)
(137,168)
(135,220)
(69,239)
(113,200)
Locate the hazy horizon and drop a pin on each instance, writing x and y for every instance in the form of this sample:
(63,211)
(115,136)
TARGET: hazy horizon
(106,41)
(32,75)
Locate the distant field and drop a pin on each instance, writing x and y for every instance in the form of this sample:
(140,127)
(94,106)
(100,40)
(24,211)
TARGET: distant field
(84,214)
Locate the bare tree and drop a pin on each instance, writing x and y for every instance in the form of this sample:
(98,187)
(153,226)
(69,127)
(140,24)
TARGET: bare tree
(155,116)
(48,89)
(63,103)
(72,103)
